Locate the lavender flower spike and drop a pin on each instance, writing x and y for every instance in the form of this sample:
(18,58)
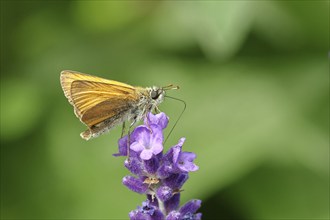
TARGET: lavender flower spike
(160,176)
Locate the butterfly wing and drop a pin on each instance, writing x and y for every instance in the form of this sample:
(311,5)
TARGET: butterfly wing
(69,76)
(96,99)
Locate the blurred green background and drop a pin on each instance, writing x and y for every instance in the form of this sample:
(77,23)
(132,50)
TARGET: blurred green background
(254,74)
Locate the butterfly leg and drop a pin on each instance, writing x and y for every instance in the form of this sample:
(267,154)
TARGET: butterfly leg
(147,122)
(157,110)
(129,138)
(123,130)
(128,145)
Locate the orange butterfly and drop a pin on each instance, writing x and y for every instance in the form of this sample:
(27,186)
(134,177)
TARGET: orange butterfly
(102,104)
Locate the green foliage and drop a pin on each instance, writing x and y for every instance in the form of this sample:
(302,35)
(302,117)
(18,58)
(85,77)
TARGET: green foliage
(254,75)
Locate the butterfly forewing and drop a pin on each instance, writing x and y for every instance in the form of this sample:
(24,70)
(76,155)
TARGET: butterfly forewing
(96,99)
(86,94)
(68,77)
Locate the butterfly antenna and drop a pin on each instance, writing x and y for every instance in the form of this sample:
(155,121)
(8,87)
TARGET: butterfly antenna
(170,87)
(184,108)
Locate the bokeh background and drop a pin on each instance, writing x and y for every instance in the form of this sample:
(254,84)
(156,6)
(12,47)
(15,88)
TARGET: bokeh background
(254,75)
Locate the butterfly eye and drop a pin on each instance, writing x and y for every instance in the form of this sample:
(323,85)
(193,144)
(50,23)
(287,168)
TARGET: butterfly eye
(154,94)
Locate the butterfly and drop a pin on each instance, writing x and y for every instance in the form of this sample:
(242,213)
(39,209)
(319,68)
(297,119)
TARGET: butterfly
(102,104)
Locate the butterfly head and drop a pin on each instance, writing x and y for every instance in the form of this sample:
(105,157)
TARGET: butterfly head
(157,95)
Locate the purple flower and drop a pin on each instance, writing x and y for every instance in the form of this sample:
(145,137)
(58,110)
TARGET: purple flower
(173,203)
(176,161)
(186,212)
(122,147)
(185,162)
(160,176)
(164,193)
(190,207)
(176,180)
(174,215)
(147,142)
(135,184)
(152,212)
(160,119)
(146,211)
